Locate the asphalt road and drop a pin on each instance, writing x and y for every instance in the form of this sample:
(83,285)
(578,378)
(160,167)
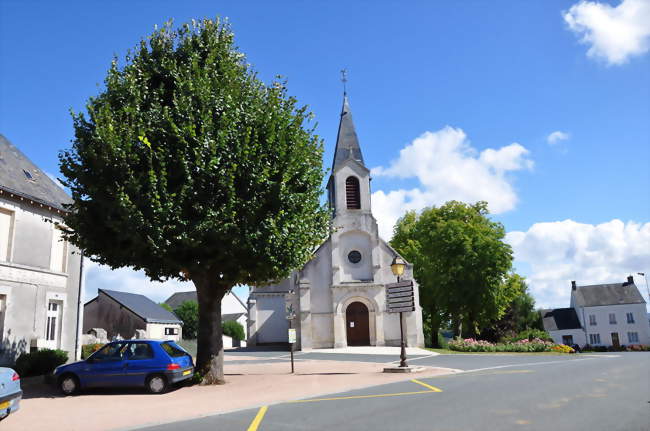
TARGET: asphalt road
(497,392)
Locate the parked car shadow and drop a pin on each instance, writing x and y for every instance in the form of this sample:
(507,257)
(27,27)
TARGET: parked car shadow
(44,390)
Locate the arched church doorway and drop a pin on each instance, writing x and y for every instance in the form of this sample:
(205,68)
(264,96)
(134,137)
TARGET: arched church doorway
(357,324)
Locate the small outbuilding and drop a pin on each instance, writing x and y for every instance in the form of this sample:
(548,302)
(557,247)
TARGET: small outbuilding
(122,314)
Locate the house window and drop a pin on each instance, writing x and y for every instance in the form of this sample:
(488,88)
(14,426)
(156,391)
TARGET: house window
(630,318)
(59,256)
(592,319)
(53,327)
(632,337)
(612,318)
(171,331)
(6,234)
(352,194)
(594,338)
(567,340)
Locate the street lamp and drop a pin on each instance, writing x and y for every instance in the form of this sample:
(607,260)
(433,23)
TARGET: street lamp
(397,266)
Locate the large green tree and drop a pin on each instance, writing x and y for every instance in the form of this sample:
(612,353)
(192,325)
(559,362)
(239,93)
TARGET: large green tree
(188,167)
(519,315)
(460,262)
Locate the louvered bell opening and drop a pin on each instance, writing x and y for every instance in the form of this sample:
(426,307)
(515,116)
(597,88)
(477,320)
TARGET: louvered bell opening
(352,195)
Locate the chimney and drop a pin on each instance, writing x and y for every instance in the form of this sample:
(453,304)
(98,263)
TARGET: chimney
(630,279)
(573,285)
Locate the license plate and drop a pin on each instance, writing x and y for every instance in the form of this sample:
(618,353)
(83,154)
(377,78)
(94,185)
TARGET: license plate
(4,405)
(186,372)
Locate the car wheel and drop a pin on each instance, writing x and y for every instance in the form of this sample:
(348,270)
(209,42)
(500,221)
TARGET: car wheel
(69,384)
(156,384)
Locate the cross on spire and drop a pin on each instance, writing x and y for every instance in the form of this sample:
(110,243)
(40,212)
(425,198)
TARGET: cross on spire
(344,79)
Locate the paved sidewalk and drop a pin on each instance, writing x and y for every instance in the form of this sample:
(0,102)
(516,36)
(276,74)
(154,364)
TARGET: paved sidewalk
(377,350)
(249,385)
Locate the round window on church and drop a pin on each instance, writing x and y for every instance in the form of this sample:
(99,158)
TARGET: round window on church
(354,256)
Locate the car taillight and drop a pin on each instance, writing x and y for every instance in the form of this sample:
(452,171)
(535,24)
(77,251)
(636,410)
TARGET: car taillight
(173,367)
(15,377)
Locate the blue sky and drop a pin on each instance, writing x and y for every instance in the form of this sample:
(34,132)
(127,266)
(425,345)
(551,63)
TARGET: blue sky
(452,100)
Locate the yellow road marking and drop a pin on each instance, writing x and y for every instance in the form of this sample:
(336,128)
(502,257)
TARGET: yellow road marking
(357,397)
(433,388)
(258,419)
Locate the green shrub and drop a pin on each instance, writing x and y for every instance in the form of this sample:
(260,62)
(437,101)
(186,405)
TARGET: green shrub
(188,312)
(40,362)
(234,329)
(89,349)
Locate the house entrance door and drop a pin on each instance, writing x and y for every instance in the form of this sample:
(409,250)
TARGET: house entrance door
(615,341)
(357,324)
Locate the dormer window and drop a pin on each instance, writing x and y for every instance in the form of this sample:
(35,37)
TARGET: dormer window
(352,194)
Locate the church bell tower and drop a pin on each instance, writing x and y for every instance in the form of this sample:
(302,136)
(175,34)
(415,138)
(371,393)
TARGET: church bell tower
(355,234)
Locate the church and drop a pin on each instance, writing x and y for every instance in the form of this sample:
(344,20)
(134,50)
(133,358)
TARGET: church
(338,298)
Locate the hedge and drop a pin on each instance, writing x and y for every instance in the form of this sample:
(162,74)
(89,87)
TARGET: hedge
(40,362)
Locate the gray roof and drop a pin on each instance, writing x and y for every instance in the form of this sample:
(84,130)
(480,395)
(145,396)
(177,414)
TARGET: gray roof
(347,143)
(143,307)
(178,298)
(18,175)
(607,294)
(231,316)
(560,318)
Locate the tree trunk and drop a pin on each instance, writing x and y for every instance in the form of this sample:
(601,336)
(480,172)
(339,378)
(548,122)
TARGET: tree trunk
(209,354)
(435,328)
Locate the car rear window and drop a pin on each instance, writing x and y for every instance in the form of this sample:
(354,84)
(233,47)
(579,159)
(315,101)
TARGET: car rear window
(173,350)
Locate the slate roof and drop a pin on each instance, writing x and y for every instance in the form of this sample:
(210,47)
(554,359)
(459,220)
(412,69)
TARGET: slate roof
(143,307)
(231,316)
(18,175)
(560,318)
(607,294)
(347,143)
(179,297)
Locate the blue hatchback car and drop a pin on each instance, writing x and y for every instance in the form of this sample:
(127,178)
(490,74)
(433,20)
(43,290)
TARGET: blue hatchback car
(153,364)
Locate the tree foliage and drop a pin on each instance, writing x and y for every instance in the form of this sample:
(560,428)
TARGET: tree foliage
(234,329)
(520,314)
(187,166)
(188,312)
(460,262)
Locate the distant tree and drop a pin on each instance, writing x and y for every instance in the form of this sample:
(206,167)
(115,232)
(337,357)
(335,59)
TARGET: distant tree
(187,166)
(519,315)
(460,263)
(234,330)
(166,306)
(188,312)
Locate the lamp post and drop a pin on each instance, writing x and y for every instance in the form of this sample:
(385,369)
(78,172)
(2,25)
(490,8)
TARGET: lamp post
(291,314)
(397,266)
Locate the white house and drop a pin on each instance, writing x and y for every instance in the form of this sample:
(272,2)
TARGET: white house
(40,273)
(339,297)
(232,308)
(601,315)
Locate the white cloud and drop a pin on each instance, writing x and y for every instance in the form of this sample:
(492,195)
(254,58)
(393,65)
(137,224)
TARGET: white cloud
(448,167)
(127,280)
(556,137)
(613,33)
(559,252)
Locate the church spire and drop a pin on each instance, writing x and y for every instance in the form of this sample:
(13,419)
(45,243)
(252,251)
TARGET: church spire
(347,143)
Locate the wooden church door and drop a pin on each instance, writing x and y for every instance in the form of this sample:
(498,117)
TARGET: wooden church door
(357,324)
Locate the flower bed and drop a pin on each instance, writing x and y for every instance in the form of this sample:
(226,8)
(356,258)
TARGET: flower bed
(534,345)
